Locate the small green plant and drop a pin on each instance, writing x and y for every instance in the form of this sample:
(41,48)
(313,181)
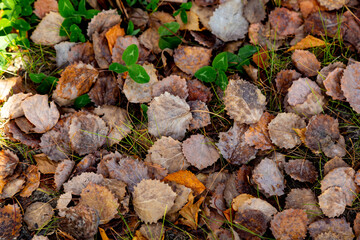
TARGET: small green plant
(131,29)
(182,11)
(47,83)
(130,57)
(133,2)
(168,38)
(70,26)
(153,5)
(242,58)
(82,101)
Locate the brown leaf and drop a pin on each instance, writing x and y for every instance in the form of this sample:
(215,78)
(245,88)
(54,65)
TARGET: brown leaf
(117,187)
(112,34)
(190,59)
(103,21)
(8,163)
(281,130)
(82,52)
(167,152)
(64,200)
(324,23)
(12,108)
(204,13)
(122,43)
(12,187)
(336,225)
(335,162)
(357,225)
(102,53)
(152,199)
(190,212)
(353,28)
(172,84)
(105,90)
(32,181)
(257,135)
(289,224)
(261,58)
(192,22)
(284,21)
(254,11)
(87,132)
(186,178)
(158,18)
(152,231)
(254,221)
(233,147)
(284,80)
(62,173)
(10,221)
(42,7)
(257,204)
(24,124)
(75,81)
(200,115)
(332,202)
(205,38)
(306,62)
(301,170)
(78,183)
(333,4)
(150,39)
(242,179)
(10,86)
(332,84)
(139,17)
(322,134)
(200,151)
(268,178)
(101,199)
(182,195)
(307,42)
(325,71)
(350,85)
(198,91)
(62,53)
(12,131)
(37,215)
(39,113)
(244,102)
(309,6)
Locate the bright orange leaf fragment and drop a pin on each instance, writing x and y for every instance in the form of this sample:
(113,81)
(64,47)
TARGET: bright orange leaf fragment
(186,178)
(112,34)
(307,42)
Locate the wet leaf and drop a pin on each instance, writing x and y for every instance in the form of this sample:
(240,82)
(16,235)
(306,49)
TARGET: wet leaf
(350,85)
(37,215)
(10,221)
(190,212)
(190,59)
(257,135)
(186,178)
(78,183)
(306,62)
(301,170)
(289,224)
(62,173)
(172,84)
(284,21)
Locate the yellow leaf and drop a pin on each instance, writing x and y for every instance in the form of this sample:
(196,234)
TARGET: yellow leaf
(301,133)
(103,234)
(307,42)
(186,178)
(192,24)
(190,212)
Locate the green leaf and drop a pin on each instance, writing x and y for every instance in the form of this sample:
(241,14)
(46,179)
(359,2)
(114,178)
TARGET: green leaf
(91,13)
(5,26)
(186,6)
(82,101)
(246,52)
(153,5)
(10,3)
(144,109)
(220,62)
(66,9)
(130,28)
(37,77)
(21,24)
(222,80)
(6,40)
(47,85)
(233,59)
(168,29)
(131,55)
(26,10)
(169,42)
(138,74)
(206,74)
(131,2)
(76,34)
(183,16)
(118,68)
(66,24)
(176,12)
(135,32)
(82,8)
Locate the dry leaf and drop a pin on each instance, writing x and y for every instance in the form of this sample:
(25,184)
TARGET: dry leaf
(257,135)
(47,31)
(284,80)
(182,193)
(42,7)
(172,84)
(103,21)
(37,215)
(309,6)
(268,178)
(102,53)
(284,21)
(12,131)
(105,90)
(253,223)
(254,11)
(281,130)
(205,38)
(12,108)
(112,34)
(332,84)
(198,91)
(325,71)
(158,18)
(306,62)
(324,23)
(64,200)
(204,13)
(10,221)
(39,113)
(258,204)
(32,181)
(192,22)
(37,237)
(307,42)
(227,21)
(122,43)
(350,85)
(12,187)
(261,58)
(82,52)
(24,124)
(8,86)
(101,199)
(186,178)
(244,102)
(200,115)
(168,116)
(190,59)
(80,221)
(289,224)
(322,134)
(78,183)
(241,181)
(357,225)
(335,162)
(335,225)
(301,170)
(190,212)
(332,202)
(333,4)
(150,39)
(117,187)
(8,163)
(139,17)
(167,152)
(353,28)
(152,199)
(87,132)
(200,151)
(62,173)
(233,147)
(62,53)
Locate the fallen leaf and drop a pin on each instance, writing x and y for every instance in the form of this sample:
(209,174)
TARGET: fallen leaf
(42,7)
(200,115)
(8,163)
(324,23)
(32,181)
(325,71)
(105,90)
(10,221)
(152,199)
(122,43)
(139,17)
(62,53)
(306,62)
(357,225)
(205,38)
(78,183)
(12,107)
(103,21)
(200,151)
(307,42)
(24,124)
(289,224)
(350,85)
(190,59)
(82,52)
(37,215)
(260,205)
(204,13)
(12,187)
(337,225)
(353,28)
(117,187)
(172,84)
(261,58)
(112,34)
(12,131)
(284,80)
(284,21)
(333,4)
(152,231)
(64,200)
(309,6)
(102,52)
(253,223)
(158,18)
(332,84)
(257,135)
(254,11)
(335,162)
(241,180)
(62,172)
(332,202)
(192,21)
(190,212)
(150,39)
(186,178)
(198,91)
(291,4)
(182,195)
(10,86)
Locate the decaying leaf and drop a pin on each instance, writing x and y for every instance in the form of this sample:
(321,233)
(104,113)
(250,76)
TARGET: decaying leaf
(332,202)
(335,162)
(80,221)
(39,113)
(302,170)
(284,80)
(112,34)
(64,200)
(258,204)
(103,21)
(357,225)
(281,130)
(42,7)
(200,115)
(32,181)
(139,17)
(167,152)
(190,59)
(37,215)
(13,132)
(12,108)
(8,163)
(335,225)
(150,39)
(8,86)
(350,85)
(102,52)
(12,187)
(254,11)
(140,93)
(82,52)
(322,134)
(304,98)
(75,81)
(78,183)
(333,4)
(324,23)
(190,212)
(289,224)
(168,116)
(200,151)
(192,22)
(172,84)
(254,222)
(241,180)
(122,43)
(186,178)
(182,195)
(87,132)
(353,28)
(117,120)
(47,31)
(198,91)
(258,135)
(205,38)
(62,53)
(117,187)
(306,62)
(105,90)
(227,21)
(152,199)
(62,173)
(332,84)
(325,71)
(244,102)
(268,178)
(101,199)
(284,21)
(10,221)
(233,147)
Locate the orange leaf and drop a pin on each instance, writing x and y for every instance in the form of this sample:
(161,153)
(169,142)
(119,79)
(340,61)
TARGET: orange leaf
(44,164)
(32,182)
(261,58)
(112,34)
(103,234)
(190,212)
(186,178)
(307,42)
(301,133)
